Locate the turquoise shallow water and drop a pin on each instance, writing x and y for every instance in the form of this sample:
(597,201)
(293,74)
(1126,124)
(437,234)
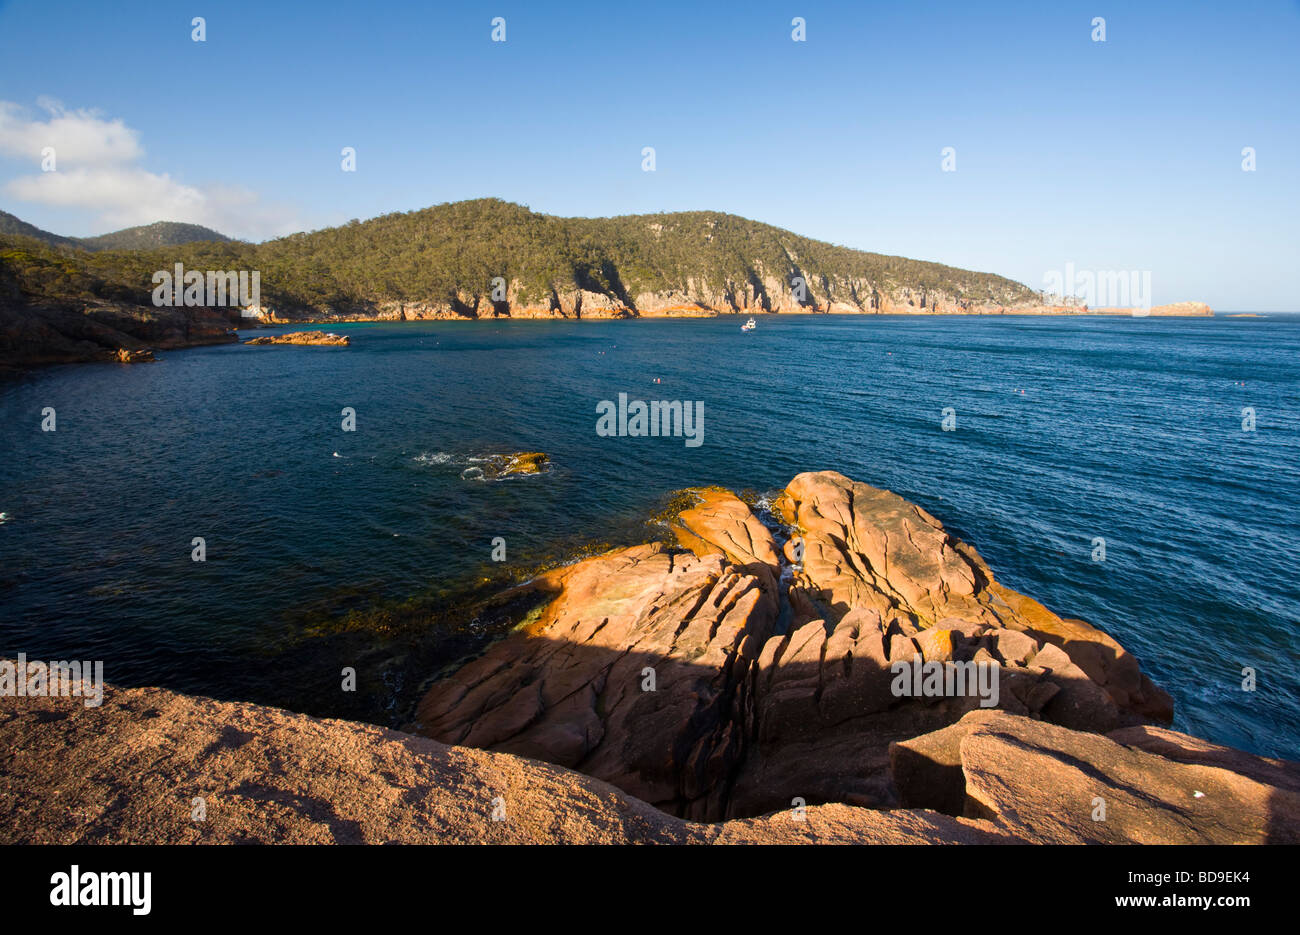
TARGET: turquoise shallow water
(1067,429)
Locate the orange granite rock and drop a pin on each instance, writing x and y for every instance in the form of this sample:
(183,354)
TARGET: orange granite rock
(310,338)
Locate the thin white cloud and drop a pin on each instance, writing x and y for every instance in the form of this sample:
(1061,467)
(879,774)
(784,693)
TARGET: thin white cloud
(112,191)
(96,172)
(78,137)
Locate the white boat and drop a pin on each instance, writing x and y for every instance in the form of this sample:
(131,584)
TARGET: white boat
(749,325)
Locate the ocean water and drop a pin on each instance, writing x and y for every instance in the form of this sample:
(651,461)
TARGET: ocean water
(328,548)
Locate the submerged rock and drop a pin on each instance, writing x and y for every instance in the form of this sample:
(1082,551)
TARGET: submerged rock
(127,356)
(521,462)
(496,467)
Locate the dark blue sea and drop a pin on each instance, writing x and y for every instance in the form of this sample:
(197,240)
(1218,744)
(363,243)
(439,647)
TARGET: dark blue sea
(328,548)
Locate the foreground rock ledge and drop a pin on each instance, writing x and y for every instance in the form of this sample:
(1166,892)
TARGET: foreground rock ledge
(771,663)
(1137,785)
(129,771)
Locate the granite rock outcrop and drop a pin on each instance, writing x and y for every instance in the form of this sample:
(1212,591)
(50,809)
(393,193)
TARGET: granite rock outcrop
(734,674)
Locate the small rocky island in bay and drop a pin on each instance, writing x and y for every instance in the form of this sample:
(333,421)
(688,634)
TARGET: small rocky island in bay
(311,338)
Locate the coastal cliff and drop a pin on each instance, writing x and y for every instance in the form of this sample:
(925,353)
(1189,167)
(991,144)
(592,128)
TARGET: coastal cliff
(737,687)
(577,304)
(97,331)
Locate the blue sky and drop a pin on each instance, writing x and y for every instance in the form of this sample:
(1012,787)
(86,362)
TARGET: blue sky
(1122,155)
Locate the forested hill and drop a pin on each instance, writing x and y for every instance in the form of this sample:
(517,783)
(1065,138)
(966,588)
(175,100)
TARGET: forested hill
(442,262)
(14,226)
(158,234)
(699,256)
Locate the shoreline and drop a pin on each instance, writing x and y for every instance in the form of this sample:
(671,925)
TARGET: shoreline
(1171,310)
(63,339)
